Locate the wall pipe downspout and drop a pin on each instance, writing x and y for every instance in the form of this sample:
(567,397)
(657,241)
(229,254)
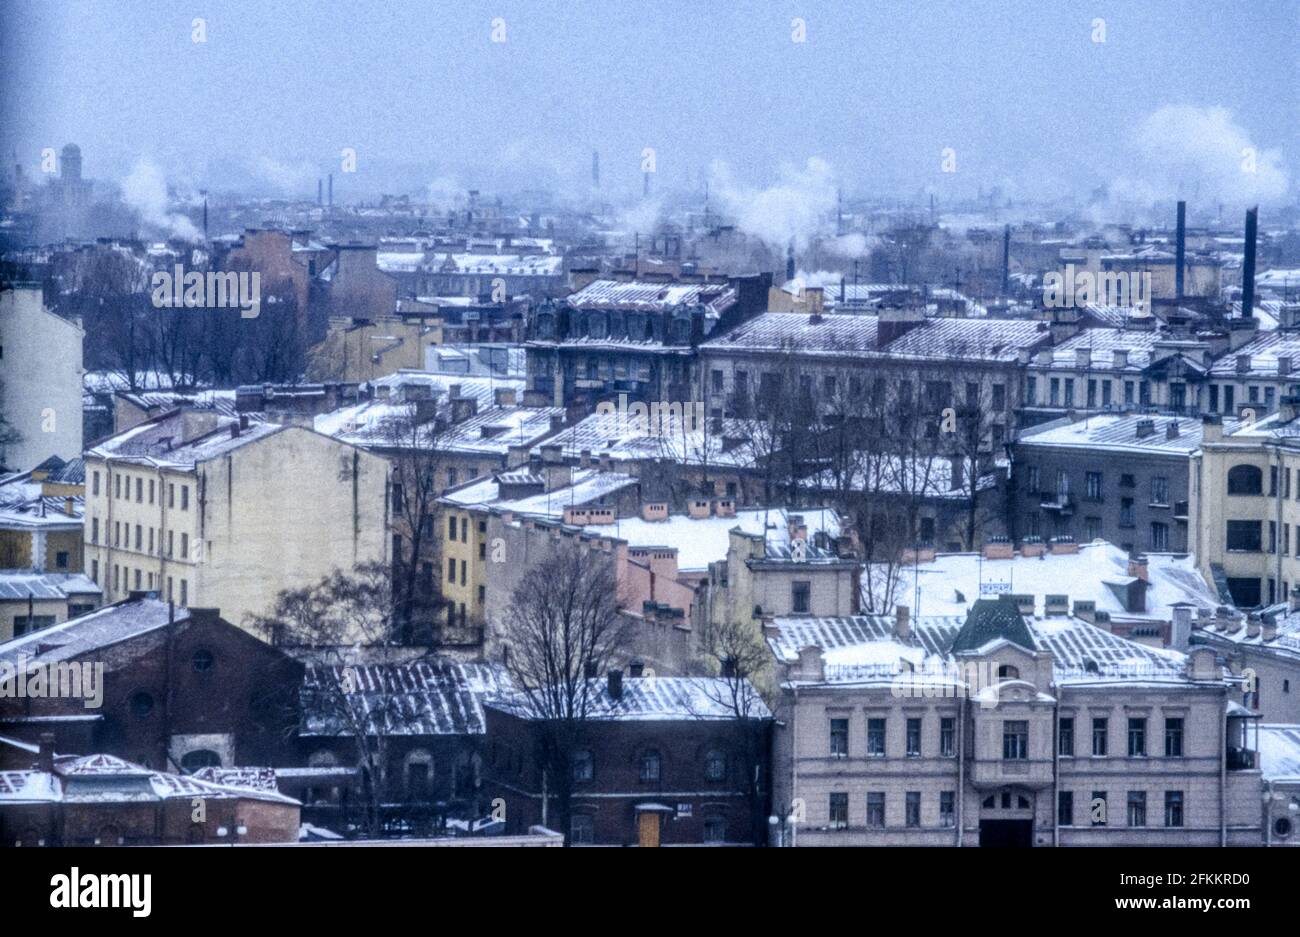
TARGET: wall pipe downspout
(961,765)
(794,766)
(1223,771)
(1056,768)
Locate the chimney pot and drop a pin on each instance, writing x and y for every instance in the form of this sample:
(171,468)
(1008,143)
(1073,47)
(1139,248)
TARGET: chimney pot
(616,684)
(903,622)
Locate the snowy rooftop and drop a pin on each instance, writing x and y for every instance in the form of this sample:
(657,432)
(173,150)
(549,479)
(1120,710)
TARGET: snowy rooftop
(76,778)
(624,438)
(1279,753)
(705,540)
(1287,642)
(90,632)
(163,440)
(18,585)
(588,485)
(1261,353)
(494,431)
(938,338)
(616,294)
(865,649)
(1098,572)
(1119,432)
(435,696)
(654,698)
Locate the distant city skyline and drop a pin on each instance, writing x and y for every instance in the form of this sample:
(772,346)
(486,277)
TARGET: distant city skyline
(1018,97)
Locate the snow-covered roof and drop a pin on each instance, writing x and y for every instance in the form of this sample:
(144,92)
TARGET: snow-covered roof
(19,585)
(864,649)
(1279,753)
(1119,432)
(636,294)
(1286,643)
(623,438)
(161,441)
(494,431)
(90,632)
(1098,572)
(705,540)
(587,485)
(655,698)
(433,696)
(1261,354)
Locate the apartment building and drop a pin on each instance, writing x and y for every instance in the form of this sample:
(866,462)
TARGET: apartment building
(1118,477)
(42,369)
(997,729)
(226,513)
(1244,505)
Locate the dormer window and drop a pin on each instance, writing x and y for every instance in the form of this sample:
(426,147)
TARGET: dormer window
(1008,672)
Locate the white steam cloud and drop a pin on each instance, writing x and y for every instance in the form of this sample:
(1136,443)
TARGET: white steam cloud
(792,209)
(145,190)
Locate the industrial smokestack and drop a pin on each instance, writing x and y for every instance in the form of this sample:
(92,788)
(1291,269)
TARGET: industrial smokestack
(331,190)
(1006,258)
(320,192)
(1248,265)
(1180,251)
(789,263)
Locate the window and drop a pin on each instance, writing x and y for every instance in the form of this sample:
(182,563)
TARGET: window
(651,764)
(202,661)
(1137,738)
(1173,808)
(94,530)
(582,766)
(1065,740)
(715,830)
(947,809)
(117,486)
(1008,672)
(1099,727)
(716,377)
(800,596)
(1092,483)
(139,491)
(451,570)
(1159,490)
(999,397)
(914,737)
(582,829)
(1015,740)
(1137,808)
(61,559)
(171,495)
(185,497)
(1245,536)
(912,805)
(947,736)
(876,809)
(715,765)
(95,483)
(185,590)
(876,737)
(1245,480)
(1065,808)
(1126,512)
(201,758)
(185,546)
(839,811)
(1173,738)
(1159,537)
(141,704)
(840,737)
(1032,479)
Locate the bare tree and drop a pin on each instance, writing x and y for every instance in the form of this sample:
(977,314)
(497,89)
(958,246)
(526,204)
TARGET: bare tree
(736,653)
(345,624)
(562,628)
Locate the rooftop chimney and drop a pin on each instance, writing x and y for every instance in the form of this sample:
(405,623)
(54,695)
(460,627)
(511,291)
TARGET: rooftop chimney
(1248,266)
(1179,251)
(616,684)
(635,669)
(45,755)
(902,622)
(1006,258)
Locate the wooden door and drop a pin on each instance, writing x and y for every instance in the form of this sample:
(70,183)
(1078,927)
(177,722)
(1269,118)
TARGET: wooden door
(648,828)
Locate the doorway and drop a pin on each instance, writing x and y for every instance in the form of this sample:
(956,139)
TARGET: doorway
(1007,834)
(647,824)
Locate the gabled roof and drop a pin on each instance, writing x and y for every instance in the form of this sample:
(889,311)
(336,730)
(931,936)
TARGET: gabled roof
(991,620)
(91,632)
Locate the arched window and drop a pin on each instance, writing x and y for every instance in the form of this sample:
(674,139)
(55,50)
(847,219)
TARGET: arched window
(651,765)
(200,758)
(141,704)
(1245,480)
(715,765)
(419,775)
(1008,672)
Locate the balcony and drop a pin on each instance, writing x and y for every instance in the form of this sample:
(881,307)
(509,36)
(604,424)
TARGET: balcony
(1063,503)
(1241,759)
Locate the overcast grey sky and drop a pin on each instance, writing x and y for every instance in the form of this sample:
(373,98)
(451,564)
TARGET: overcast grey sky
(1019,90)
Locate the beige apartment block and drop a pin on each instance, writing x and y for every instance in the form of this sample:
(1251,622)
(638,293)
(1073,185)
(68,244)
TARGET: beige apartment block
(40,366)
(217,512)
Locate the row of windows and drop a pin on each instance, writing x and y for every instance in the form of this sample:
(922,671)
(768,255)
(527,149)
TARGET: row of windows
(877,735)
(144,538)
(582,829)
(650,766)
(1135,809)
(838,816)
(122,489)
(1137,742)
(1015,737)
(1094,485)
(126,579)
